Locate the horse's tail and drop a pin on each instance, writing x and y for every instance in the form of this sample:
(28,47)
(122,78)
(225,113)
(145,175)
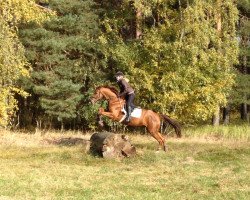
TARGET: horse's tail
(176,126)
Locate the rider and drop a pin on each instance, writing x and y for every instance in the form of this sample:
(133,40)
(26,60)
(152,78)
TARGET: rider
(126,91)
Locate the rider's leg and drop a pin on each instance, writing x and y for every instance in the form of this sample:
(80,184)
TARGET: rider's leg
(130,99)
(129,110)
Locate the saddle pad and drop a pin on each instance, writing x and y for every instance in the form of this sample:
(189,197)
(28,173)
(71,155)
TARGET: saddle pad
(136,113)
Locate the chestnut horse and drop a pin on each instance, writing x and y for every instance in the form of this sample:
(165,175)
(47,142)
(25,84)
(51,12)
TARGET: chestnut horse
(148,118)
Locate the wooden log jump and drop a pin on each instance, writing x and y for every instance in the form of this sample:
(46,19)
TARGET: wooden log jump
(110,145)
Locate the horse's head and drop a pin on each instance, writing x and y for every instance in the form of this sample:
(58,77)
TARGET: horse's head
(97,95)
(106,92)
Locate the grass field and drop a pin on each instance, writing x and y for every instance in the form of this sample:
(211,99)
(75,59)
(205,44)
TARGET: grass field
(195,167)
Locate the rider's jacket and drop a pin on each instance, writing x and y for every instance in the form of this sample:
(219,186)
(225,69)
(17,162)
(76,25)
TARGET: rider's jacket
(125,88)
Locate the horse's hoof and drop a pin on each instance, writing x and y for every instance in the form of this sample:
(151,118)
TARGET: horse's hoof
(101,124)
(165,148)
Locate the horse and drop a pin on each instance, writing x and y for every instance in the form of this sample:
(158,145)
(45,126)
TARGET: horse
(150,119)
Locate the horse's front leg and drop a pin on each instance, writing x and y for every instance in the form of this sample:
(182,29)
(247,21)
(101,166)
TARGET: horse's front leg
(107,114)
(100,121)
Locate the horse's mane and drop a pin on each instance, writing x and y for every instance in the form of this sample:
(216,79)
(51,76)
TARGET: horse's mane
(112,88)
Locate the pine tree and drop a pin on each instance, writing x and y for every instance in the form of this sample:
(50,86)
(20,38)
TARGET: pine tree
(241,93)
(66,60)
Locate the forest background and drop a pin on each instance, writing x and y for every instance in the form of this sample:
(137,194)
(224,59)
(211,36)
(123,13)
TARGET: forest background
(185,58)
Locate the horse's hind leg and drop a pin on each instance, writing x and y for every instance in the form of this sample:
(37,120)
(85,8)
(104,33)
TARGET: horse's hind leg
(163,145)
(161,141)
(159,138)
(153,127)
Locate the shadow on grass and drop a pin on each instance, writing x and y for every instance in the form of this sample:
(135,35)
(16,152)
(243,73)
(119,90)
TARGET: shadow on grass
(69,141)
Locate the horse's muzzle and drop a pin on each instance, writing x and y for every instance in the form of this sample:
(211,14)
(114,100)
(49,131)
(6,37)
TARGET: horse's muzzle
(92,100)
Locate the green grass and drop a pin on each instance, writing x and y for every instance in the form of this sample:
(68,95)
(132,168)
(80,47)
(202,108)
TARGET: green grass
(221,132)
(192,169)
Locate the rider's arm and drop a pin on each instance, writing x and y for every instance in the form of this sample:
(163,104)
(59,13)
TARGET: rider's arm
(126,88)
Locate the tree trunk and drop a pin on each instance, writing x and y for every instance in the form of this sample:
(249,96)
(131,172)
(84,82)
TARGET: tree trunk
(243,111)
(226,115)
(62,126)
(244,71)
(219,16)
(110,145)
(216,117)
(138,20)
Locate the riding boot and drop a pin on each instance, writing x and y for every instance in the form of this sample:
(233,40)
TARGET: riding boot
(129,110)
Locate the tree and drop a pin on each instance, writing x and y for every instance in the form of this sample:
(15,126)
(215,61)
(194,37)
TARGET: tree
(192,62)
(241,94)
(66,58)
(12,60)
(182,64)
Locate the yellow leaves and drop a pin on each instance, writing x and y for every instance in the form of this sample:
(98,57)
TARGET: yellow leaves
(193,91)
(13,63)
(15,11)
(178,96)
(7,105)
(103,39)
(12,60)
